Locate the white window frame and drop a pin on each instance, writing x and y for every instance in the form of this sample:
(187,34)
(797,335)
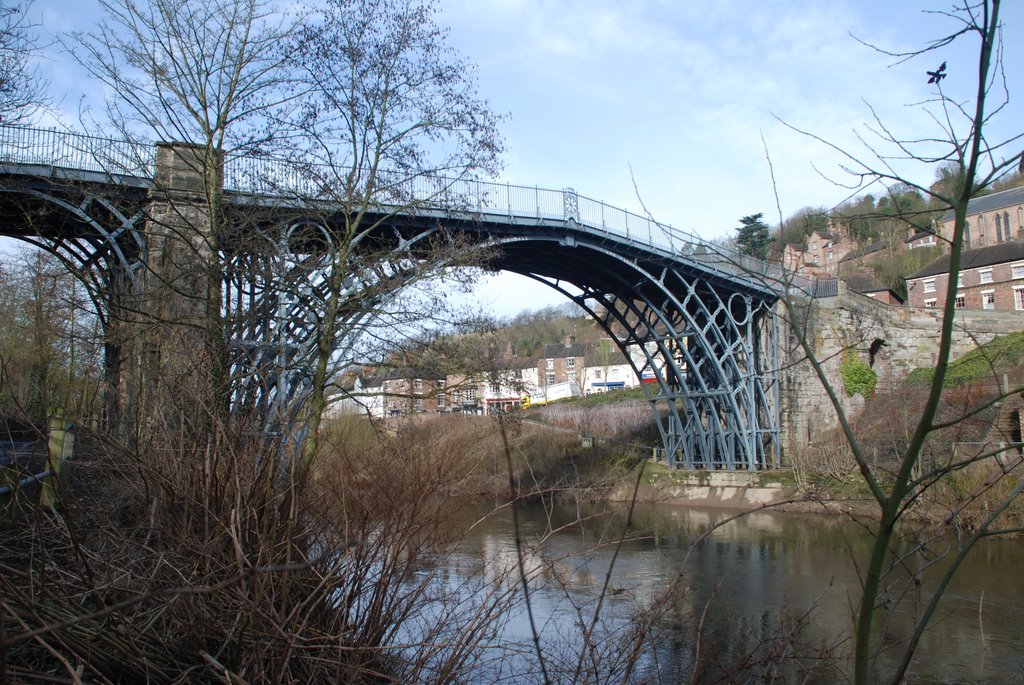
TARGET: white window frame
(985,275)
(960,302)
(1018,298)
(984,297)
(570,363)
(550,363)
(550,378)
(930,304)
(929,285)
(1017,270)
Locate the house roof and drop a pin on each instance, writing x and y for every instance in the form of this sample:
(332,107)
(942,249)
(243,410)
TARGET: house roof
(920,234)
(857,254)
(828,236)
(972,259)
(988,203)
(561,350)
(864,283)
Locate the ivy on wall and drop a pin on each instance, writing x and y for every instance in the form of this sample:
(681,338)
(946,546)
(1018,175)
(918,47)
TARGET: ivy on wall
(858,377)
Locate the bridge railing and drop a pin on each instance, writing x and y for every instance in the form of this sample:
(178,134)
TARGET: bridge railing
(266,176)
(77,151)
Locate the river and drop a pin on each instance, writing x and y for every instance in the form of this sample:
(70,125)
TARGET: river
(746,582)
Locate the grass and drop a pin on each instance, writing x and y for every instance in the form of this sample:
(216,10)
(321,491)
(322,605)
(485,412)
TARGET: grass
(994,357)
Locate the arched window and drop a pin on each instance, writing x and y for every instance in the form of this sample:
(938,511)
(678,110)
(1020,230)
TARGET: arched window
(999,228)
(967,234)
(1006,225)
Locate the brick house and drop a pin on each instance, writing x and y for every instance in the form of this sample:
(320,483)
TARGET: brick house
(408,392)
(820,254)
(562,364)
(990,278)
(991,219)
(866,284)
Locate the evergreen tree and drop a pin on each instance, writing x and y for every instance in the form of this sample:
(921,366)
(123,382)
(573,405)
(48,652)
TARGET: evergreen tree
(753,237)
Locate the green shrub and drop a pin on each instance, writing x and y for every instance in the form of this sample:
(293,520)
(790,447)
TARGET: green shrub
(858,377)
(997,356)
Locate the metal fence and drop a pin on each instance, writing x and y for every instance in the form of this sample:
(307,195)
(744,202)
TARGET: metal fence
(282,178)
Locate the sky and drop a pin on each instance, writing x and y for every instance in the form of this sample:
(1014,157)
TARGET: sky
(676,106)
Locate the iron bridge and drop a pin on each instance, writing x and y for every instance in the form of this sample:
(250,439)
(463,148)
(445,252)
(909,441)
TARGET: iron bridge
(693,317)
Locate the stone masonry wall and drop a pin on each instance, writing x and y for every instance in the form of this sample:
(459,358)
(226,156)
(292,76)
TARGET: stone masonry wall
(856,324)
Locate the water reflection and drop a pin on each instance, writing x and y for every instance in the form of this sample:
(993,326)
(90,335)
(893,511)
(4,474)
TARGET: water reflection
(749,579)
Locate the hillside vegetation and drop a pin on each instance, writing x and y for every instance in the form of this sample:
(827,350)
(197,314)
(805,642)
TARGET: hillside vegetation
(988,361)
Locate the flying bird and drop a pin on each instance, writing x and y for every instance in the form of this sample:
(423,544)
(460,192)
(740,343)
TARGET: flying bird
(938,74)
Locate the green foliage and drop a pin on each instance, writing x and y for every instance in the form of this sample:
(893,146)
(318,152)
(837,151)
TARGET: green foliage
(753,237)
(804,222)
(894,269)
(993,357)
(858,377)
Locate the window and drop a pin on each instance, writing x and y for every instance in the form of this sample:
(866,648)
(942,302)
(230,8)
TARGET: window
(495,389)
(551,363)
(988,299)
(929,285)
(984,275)
(550,378)
(570,363)
(1018,298)
(597,374)
(418,384)
(469,394)
(1017,271)
(440,401)
(967,234)
(999,228)
(961,301)
(417,404)
(960,280)
(930,303)
(830,255)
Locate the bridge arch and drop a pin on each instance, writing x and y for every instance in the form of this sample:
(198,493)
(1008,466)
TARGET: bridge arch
(711,351)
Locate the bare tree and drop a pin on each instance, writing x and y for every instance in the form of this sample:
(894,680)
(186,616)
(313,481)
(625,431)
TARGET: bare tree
(393,125)
(22,92)
(962,146)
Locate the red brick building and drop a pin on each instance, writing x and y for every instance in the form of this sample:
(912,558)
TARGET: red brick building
(990,278)
(991,219)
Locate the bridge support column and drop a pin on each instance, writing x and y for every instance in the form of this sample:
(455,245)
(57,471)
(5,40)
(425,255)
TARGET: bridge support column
(182,355)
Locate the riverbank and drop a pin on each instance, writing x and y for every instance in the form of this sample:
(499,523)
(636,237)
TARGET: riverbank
(727,489)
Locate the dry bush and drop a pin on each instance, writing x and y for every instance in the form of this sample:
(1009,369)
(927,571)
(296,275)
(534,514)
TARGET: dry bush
(619,419)
(209,565)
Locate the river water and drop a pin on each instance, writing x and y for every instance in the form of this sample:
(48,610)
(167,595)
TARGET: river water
(745,582)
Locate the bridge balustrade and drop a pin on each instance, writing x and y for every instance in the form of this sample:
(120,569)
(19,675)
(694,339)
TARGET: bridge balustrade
(268,176)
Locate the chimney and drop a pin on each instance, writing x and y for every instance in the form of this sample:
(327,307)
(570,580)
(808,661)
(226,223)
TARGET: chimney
(570,340)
